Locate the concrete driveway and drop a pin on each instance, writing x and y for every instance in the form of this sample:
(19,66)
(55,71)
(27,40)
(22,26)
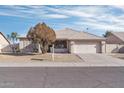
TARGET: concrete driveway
(62,77)
(101,60)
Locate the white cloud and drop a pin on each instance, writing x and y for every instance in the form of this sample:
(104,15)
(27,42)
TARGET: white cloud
(12,14)
(119,7)
(97,17)
(56,16)
(72,11)
(30,12)
(101,26)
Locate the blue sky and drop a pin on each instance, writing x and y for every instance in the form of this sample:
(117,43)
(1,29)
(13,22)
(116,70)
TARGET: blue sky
(97,19)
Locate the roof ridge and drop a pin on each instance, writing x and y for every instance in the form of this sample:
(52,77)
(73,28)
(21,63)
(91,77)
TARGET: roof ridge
(71,29)
(93,34)
(84,32)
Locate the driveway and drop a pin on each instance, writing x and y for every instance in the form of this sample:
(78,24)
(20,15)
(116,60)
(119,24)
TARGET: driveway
(101,60)
(62,77)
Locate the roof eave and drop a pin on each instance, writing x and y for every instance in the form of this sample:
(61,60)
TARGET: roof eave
(5,37)
(117,36)
(81,39)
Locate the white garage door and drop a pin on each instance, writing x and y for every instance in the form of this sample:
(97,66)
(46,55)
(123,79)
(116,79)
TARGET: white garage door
(86,47)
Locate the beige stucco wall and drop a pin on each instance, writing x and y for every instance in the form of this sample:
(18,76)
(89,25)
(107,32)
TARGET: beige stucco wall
(103,47)
(70,45)
(114,45)
(24,43)
(114,48)
(25,46)
(3,43)
(71,48)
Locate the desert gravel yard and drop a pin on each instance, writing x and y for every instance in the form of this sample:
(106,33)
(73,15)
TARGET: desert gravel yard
(39,57)
(61,60)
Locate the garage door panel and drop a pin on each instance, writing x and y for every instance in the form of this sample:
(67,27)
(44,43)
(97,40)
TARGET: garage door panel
(86,47)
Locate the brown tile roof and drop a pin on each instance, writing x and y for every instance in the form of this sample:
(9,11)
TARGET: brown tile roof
(71,34)
(76,35)
(119,35)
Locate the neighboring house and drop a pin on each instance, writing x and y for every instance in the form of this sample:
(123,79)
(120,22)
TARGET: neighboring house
(4,44)
(70,41)
(115,42)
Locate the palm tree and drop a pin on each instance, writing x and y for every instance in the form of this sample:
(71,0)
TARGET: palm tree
(107,33)
(13,37)
(42,35)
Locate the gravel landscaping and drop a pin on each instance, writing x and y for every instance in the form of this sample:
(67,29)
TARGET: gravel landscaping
(39,57)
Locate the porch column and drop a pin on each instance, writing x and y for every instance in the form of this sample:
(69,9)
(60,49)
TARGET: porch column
(103,46)
(72,47)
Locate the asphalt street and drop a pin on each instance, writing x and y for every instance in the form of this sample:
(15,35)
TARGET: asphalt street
(61,77)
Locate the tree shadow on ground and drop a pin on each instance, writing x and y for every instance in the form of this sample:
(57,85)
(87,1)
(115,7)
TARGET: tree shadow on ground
(17,54)
(36,59)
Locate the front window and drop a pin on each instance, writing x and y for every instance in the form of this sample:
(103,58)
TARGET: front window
(61,44)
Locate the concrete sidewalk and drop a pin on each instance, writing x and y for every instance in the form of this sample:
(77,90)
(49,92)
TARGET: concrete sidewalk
(88,60)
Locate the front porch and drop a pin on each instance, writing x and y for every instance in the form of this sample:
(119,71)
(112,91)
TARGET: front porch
(61,46)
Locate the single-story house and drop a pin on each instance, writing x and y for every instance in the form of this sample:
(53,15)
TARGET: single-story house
(70,41)
(115,42)
(4,43)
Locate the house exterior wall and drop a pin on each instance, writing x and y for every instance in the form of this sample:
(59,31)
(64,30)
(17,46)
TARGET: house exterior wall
(71,46)
(103,47)
(4,44)
(111,39)
(25,46)
(114,48)
(92,46)
(114,44)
